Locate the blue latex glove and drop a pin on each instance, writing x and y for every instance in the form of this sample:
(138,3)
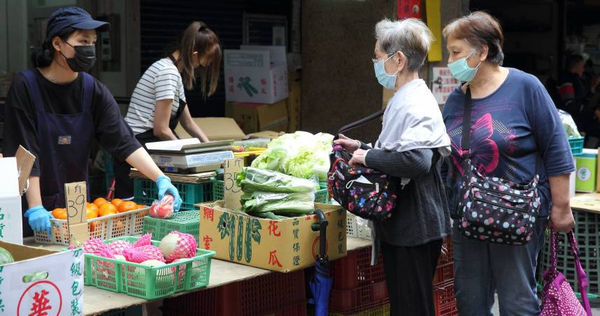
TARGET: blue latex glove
(39,219)
(165,186)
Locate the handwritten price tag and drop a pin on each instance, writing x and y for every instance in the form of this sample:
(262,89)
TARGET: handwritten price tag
(76,212)
(232,192)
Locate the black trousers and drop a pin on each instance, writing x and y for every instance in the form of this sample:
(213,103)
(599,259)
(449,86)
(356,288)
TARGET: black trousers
(409,277)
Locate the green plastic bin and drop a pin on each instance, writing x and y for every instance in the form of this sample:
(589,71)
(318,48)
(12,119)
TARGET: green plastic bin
(147,282)
(182,221)
(145,192)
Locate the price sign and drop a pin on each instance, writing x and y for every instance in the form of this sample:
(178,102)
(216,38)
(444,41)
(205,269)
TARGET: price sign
(76,212)
(233,192)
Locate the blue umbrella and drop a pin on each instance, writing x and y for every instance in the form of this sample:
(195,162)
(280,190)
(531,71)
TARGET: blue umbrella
(320,284)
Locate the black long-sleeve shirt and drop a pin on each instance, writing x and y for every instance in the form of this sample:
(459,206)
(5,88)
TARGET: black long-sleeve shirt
(20,119)
(421,213)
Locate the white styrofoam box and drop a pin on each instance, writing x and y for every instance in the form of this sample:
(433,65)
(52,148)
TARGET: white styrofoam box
(41,281)
(256,74)
(11,218)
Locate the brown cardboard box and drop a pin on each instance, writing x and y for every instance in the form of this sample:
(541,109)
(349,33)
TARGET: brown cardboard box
(253,117)
(215,128)
(284,245)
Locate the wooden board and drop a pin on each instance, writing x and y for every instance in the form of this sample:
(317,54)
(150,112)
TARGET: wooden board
(588,202)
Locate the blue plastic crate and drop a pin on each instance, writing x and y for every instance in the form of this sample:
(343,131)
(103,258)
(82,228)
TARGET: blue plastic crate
(576,144)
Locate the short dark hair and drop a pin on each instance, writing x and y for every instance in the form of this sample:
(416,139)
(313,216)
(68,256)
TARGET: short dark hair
(573,60)
(478,29)
(42,57)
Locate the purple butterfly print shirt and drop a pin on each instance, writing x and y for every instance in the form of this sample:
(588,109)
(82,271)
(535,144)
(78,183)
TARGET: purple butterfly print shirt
(510,128)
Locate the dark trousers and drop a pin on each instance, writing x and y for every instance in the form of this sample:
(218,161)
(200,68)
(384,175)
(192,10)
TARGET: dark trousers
(409,277)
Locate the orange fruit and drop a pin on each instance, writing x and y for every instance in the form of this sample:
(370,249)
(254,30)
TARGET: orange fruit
(99,201)
(107,209)
(59,213)
(126,206)
(91,208)
(139,206)
(116,202)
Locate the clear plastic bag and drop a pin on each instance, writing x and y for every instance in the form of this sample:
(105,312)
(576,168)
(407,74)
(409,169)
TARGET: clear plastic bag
(568,124)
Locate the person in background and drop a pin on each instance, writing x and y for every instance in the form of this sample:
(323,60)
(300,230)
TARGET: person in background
(575,90)
(57,109)
(516,133)
(412,141)
(158,101)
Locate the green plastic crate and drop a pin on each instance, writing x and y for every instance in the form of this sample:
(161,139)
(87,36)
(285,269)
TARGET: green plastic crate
(576,144)
(145,192)
(147,282)
(183,221)
(218,190)
(587,234)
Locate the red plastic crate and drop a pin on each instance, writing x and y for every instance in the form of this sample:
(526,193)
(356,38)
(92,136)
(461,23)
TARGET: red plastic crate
(297,310)
(358,299)
(443,296)
(447,252)
(355,270)
(443,273)
(272,293)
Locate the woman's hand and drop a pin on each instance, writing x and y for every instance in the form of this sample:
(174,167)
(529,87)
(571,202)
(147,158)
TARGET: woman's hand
(350,145)
(562,219)
(358,158)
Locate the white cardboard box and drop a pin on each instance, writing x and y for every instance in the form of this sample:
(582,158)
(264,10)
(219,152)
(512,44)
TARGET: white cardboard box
(256,74)
(11,215)
(41,281)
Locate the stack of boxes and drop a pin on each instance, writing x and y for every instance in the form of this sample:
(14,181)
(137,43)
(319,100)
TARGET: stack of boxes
(257,86)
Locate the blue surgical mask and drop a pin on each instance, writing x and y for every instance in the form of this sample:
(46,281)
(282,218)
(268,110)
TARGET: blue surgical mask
(386,80)
(461,70)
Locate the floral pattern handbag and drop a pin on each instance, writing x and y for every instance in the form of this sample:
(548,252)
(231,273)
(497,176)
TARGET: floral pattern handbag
(491,208)
(364,192)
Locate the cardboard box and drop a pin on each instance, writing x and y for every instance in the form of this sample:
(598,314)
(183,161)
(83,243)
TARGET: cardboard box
(586,165)
(41,280)
(293,102)
(215,128)
(15,172)
(253,117)
(284,245)
(256,74)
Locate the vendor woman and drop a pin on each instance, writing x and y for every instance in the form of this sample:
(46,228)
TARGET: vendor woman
(56,110)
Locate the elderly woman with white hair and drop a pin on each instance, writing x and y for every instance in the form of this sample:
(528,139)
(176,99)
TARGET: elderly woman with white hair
(412,141)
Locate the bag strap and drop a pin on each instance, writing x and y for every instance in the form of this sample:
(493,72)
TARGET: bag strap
(582,280)
(466,126)
(360,122)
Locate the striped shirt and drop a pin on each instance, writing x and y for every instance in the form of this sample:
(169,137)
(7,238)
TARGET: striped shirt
(161,81)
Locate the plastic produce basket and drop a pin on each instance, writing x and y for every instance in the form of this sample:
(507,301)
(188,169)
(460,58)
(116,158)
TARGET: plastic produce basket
(444,300)
(358,299)
(376,311)
(355,270)
(587,233)
(182,221)
(354,229)
(148,282)
(576,144)
(270,294)
(105,227)
(145,192)
(218,190)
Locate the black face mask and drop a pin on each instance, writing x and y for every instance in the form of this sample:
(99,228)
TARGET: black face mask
(84,59)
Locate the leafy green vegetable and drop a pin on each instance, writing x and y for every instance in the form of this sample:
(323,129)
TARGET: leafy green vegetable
(300,154)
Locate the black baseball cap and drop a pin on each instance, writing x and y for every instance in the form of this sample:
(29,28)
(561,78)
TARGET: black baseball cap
(74,17)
